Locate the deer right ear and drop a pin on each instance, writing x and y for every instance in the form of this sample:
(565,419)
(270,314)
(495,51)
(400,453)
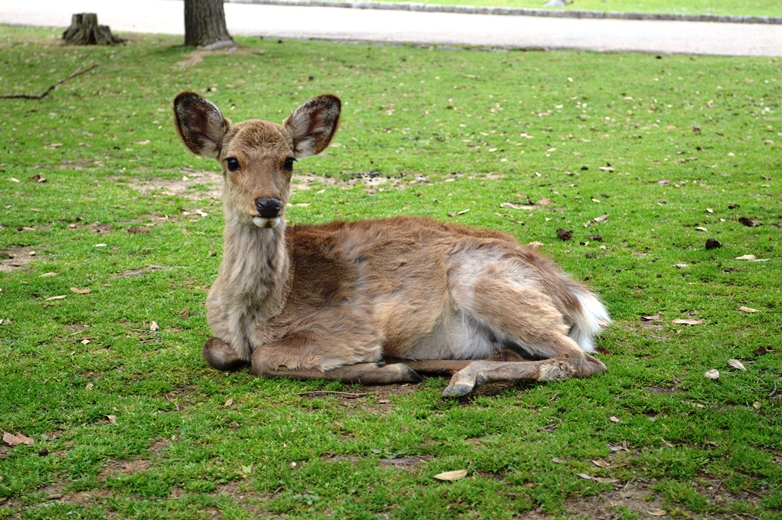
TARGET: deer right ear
(200,124)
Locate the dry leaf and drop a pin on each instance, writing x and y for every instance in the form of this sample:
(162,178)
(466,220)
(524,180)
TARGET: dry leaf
(601,218)
(47,275)
(614,418)
(15,440)
(700,228)
(80,291)
(687,322)
(663,182)
(513,205)
(452,475)
(89,386)
(712,374)
(600,463)
(604,480)
(154,326)
(544,202)
(62,297)
(201,213)
(556,460)
(85,342)
(112,419)
(658,512)
(462,212)
(585,476)
(605,168)
(653,317)
(752,258)
(747,309)
(229,402)
(735,363)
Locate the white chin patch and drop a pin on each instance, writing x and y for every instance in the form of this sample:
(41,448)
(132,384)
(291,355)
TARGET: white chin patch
(266,223)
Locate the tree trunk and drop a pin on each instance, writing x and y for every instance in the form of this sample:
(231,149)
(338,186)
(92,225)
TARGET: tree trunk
(205,24)
(84,30)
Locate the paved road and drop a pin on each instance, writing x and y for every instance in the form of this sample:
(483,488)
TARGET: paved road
(523,32)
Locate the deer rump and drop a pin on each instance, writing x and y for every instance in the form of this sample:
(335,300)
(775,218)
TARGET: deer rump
(373,301)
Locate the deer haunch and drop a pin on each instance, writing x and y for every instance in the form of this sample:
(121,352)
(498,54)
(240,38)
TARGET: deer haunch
(334,301)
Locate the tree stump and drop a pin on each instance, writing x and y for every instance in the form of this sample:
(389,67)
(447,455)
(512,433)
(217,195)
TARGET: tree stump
(84,30)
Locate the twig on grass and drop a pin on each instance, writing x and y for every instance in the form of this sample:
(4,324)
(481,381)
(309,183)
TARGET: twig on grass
(46,92)
(774,391)
(346,395)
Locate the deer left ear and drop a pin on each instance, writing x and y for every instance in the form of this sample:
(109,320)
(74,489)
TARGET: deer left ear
(200,124)
(313,124)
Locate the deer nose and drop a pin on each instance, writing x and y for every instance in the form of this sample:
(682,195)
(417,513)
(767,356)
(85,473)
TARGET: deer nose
(268,207)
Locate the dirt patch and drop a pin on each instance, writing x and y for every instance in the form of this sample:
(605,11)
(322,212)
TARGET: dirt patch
(16,258)
(193,185)
(124,468)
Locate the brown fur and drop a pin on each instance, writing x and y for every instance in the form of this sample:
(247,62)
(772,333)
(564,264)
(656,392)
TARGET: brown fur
(335,300)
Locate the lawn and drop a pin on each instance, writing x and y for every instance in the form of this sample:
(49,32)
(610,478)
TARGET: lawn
(694,7)
(110,235)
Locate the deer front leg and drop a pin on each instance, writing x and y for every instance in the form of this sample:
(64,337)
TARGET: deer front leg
(221,356)
(339,357)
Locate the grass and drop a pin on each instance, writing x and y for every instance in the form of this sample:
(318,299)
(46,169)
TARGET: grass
(127,420)
(715,7)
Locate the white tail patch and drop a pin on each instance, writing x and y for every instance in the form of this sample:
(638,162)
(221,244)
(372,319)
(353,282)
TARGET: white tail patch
(589,321)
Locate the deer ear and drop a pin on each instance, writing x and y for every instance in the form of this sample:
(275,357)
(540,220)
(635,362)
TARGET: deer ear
(200,124)
(313,124)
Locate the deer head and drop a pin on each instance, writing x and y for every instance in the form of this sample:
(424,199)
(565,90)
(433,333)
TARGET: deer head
(257,156)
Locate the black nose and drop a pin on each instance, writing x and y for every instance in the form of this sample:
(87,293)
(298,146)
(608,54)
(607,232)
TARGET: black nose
(268,208)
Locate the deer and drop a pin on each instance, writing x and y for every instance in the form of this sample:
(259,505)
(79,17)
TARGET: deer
(372,301)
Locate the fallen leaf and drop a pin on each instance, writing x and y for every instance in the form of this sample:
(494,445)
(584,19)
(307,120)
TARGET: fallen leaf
(585,476)
(752,258)
(735,363)
(747,309)
(513,205)
(600,463)
(61,297)
(700,228)
(712,374)
(544,202)
(687,322)
(663,182)
(85,342)
(604,480)
(601,218)
(614,418)
(462,212)
(658,512)
(80,291)
(653,317)
(680,266)
(605,168)
(13,179)
(202,213)
(38,178)
(452,475)
(142,143)
(709,210)
(99,245)
(112,419)
(154,326)
(229,402)
(15,440)
(555,460)
(47,275)
(89,386)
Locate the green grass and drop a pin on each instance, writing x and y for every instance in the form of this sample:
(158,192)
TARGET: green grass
(715,7)
(128,422)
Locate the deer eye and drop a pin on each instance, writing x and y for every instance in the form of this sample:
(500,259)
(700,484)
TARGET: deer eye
(232,163)
(288,166)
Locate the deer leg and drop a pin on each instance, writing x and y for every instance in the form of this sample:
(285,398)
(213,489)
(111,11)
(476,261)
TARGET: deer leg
(451,366)
(361,373)
(221,356)
(344,357)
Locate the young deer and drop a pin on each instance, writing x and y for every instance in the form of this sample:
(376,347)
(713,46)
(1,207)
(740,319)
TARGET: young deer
(341,300)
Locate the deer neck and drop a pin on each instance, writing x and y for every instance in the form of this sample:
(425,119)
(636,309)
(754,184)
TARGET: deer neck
(255,269)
